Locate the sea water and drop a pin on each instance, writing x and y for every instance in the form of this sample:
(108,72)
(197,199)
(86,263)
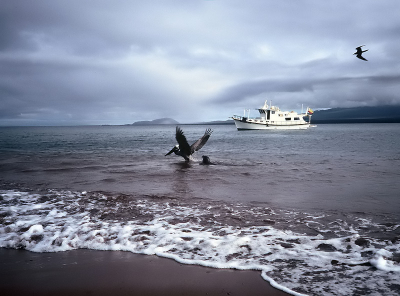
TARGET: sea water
(315,211)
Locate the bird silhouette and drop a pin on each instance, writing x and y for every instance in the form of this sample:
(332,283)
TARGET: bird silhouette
(359,52)
(183,149)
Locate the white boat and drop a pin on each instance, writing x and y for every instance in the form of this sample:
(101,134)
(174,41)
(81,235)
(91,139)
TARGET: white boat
(271,117)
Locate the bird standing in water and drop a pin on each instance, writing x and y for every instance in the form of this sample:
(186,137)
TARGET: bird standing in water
(359,53)
(183,149)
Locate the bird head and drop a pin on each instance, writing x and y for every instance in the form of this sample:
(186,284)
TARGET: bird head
(175,149)
(206,159)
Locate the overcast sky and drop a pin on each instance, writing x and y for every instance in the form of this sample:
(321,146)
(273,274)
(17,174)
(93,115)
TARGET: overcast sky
(116,62)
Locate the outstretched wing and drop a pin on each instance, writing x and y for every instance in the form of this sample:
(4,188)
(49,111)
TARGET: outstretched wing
(200,142)
(181,139)
(361,57)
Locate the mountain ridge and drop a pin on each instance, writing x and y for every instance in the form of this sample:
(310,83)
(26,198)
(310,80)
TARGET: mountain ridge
(160,121)
(367,114)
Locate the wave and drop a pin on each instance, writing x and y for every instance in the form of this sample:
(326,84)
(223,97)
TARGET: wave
(300,253)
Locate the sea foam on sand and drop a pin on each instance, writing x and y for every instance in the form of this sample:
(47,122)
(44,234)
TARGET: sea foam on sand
(297,263)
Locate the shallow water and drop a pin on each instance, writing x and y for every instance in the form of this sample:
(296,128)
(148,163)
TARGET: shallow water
(316,211)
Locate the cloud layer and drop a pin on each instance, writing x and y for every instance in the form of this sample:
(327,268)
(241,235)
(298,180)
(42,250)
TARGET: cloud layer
(116,62)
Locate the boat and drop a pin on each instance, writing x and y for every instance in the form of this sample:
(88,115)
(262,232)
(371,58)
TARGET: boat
(271,117)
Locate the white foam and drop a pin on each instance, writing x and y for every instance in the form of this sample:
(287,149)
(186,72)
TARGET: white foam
(381,261)
(284,257)
(280,287)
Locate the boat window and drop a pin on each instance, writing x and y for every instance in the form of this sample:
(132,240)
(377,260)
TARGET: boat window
(273,112)
(288,118)
(296,118)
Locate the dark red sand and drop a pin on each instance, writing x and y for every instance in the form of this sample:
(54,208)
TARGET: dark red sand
(88,272)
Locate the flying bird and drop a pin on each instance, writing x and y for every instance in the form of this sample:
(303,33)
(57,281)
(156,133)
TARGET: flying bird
(359,53)
(183,149)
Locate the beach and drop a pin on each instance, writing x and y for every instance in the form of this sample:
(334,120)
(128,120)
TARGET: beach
(79,204)
(89,272)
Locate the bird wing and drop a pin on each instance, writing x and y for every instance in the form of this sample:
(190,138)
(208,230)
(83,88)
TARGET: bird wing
(183,143)
(361,57)
(200,142)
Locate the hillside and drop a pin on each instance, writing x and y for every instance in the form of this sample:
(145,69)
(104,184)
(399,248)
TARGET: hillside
(156,122)
(378,114)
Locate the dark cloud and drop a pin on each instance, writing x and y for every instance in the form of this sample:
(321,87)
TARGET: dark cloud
(248,89)
(344,91)
(115,62)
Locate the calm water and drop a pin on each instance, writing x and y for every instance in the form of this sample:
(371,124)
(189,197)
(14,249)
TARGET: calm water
(316,211)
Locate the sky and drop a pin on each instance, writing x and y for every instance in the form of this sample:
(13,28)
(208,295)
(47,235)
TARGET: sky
(80,62)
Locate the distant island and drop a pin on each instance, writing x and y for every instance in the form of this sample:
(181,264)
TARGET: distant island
(156,122)
(378,114)
(170,121)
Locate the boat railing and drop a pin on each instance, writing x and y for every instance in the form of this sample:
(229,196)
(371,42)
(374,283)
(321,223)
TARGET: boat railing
(245,117)
(273,122)
(280,123)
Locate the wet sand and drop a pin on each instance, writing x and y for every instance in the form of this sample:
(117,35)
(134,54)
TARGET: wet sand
(88,272)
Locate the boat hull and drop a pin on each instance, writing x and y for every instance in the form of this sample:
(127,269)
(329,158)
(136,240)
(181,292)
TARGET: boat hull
(245,125)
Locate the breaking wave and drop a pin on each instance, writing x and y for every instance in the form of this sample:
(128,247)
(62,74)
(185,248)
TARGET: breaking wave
(300,253)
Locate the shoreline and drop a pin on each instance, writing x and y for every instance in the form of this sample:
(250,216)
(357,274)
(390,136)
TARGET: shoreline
(92,272)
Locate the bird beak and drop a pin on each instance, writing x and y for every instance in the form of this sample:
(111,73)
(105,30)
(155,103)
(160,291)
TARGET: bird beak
(170,151)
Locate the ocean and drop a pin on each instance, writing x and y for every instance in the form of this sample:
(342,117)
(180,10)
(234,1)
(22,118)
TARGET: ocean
(315,211)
